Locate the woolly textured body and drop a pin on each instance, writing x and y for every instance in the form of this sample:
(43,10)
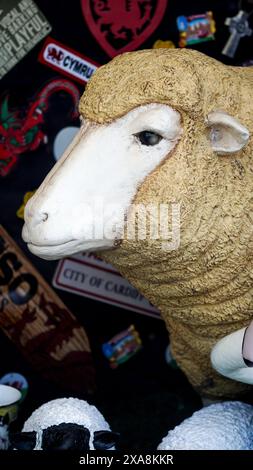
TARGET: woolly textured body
(204,288)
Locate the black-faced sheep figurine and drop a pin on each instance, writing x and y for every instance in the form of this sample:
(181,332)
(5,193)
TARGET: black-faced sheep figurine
(72,424)
(65,424)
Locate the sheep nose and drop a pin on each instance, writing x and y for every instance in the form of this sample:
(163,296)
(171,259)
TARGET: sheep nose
(44,216)
(35,215)
(32,221)
(38,218)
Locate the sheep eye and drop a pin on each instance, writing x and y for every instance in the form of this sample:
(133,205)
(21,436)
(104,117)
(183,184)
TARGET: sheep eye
(148,138)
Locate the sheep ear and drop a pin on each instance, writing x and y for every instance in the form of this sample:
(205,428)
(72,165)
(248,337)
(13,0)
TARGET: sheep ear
(227,134)
(104,440)
(23,440)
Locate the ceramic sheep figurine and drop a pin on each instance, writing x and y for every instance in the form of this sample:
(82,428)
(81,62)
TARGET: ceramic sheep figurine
(65,424)
(222,426)
(164,128)
(73,424)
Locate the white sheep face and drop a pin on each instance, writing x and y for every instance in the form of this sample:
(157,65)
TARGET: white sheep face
(83,201)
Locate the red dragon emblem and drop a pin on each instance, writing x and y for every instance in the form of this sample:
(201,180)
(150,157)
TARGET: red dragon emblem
(19,134)
(54,55)
(122,25)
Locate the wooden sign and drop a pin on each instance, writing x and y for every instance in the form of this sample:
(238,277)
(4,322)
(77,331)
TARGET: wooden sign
(39,324)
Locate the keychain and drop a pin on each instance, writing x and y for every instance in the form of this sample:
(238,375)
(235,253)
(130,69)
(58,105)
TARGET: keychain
(239,28)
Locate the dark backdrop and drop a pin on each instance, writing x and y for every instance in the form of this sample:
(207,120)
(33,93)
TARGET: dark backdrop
(145,397)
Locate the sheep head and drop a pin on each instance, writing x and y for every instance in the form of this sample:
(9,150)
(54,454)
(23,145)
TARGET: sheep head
(65,424)
(158,126)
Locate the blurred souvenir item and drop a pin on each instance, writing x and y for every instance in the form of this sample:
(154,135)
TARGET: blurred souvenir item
(238,28)
(67,61)
(121,26)
(15,380)
(247,63)
(20,133)
(196,28)
(4,432)
(166,44)
(122,346)
(63,139)
(22,26)
(65,424)
(27,196)
(169,358)
(9,398)
(222,426)
(35,319)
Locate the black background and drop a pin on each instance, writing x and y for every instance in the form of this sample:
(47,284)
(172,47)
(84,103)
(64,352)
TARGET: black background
(145,397)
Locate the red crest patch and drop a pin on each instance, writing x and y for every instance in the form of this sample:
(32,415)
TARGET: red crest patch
(122,25)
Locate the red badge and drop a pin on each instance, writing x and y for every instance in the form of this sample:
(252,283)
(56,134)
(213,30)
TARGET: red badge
(67,61)
(122,25)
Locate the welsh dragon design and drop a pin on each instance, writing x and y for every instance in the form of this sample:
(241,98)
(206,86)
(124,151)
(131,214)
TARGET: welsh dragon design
(123,16)
(19,134)
(122,25)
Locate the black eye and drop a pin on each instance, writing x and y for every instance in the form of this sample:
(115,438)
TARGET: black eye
(148,138)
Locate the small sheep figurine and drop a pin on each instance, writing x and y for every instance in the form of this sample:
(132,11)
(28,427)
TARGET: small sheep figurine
(162,128)
(222,426)
(73,424)
(65,424)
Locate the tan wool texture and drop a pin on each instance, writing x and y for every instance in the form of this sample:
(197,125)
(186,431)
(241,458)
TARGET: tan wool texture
(204,288)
